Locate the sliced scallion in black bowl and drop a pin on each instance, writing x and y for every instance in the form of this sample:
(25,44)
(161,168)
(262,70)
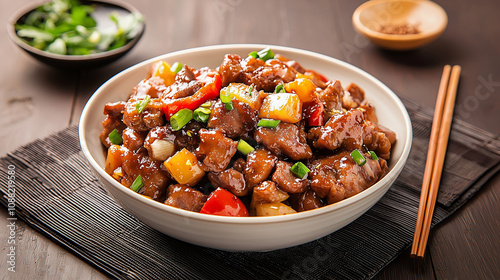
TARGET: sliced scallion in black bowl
(74,34)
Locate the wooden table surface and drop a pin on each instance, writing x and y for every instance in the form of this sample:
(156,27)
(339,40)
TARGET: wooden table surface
(36,100)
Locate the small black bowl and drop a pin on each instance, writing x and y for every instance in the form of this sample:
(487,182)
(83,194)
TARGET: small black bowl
(101,14)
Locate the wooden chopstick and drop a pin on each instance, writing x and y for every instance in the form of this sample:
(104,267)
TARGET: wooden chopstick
(441,125)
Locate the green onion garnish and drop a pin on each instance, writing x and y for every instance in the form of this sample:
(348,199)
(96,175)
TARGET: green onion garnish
(358,157)
(300,170)
(180,119)
(254,54)
(207,104)
(201,114)
(225,97)
(176,67)
(244,147)
(280,89)
(229,106)
(374,155)
(115,137)
(137,184)
(266,54)
(268,123)
(141,105)
(250,90)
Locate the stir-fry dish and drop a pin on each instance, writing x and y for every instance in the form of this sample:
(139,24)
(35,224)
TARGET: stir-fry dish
(257,136)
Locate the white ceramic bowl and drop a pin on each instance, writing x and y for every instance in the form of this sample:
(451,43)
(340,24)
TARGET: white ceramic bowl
(247,233)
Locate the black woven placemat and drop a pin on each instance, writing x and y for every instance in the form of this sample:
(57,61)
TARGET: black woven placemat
(56,193)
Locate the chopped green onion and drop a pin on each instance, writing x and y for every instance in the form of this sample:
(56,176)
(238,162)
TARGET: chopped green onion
(180,119)
(250,90)
(57,47)
(229,106)
(176,67)
(280,89)
(358,157)
(137,184)
(374,155)
(207,104)
(225,97)
(201,114)
(268,123)
(244,147)
(266,54)
(254,54)
(300,170)
(115,137)
(141,105)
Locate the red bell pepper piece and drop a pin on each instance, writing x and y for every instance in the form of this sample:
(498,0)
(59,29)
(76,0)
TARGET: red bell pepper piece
(211,84)
(313,113)
(223,203)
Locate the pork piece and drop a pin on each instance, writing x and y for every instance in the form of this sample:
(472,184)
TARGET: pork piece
(342,129)
(135,163)
(286,180)
(260,164)
(151,116)
(184,197)
(236,122)
(357,94)
(230,69)
(132,139)
(369,112)
(337,177)
(185,84)
(353,96)
(350,130)
(266,75)
(376,139)
(158,133)
(230,180)
(215,150)
(114,109)
(286,139)
(318,79)
(331,97)
(267,192)
(250,64)
(291,63)
(113,120)
(153,86)
(239,165)
(307,200)
(188,137)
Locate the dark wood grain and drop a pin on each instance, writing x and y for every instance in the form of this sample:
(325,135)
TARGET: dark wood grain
(37,100)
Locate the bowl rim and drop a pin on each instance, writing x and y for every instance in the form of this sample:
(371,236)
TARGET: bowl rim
(356,20)
(61,57)
(396,168)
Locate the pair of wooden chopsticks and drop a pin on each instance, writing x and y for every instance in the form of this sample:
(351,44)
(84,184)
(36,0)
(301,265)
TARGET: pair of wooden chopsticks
(440,132)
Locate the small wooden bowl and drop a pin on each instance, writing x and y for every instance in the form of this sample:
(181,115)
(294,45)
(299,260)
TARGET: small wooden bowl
(401,16)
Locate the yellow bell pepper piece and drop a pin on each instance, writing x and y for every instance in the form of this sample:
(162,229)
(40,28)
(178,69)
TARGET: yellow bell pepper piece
(183,166)
(113,159)
(273,209)
(286,107)
(162,69)
(242,93)
(303,87)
